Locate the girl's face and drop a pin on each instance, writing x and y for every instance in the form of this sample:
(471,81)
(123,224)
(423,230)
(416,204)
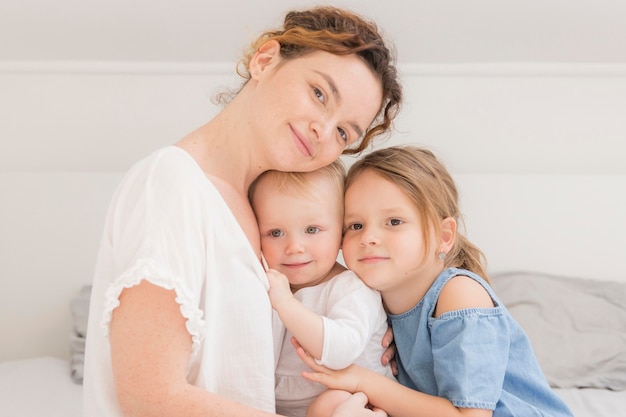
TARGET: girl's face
(383,241)
(311,108)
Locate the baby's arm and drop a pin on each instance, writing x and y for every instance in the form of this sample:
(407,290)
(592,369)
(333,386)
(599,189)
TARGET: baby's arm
(306,326)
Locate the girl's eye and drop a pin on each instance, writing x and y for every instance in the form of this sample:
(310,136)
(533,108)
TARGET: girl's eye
(276,233)
(312,230)
(355,226)
(343,134)
(395,222)
(318,93)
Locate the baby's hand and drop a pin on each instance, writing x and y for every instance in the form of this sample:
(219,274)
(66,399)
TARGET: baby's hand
(279,291)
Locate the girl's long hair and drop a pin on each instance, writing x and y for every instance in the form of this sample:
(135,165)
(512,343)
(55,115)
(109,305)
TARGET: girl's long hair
(430,186)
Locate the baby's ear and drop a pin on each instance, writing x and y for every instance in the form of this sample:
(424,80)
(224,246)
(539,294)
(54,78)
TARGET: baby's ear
(266,57)
(448,233)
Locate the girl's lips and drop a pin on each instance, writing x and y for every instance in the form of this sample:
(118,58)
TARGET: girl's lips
(302,143)
(372,259)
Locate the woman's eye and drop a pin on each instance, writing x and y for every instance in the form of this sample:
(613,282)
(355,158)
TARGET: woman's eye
(276,233)
(318,93)
(395,222)
(312,230)
(343,134)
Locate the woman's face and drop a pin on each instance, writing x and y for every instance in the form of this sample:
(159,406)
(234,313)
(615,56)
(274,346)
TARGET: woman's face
(311,108)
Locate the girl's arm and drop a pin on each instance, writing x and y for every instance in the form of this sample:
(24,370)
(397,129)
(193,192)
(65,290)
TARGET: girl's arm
(150,350)
(385,393)
(305,325)
(397,400)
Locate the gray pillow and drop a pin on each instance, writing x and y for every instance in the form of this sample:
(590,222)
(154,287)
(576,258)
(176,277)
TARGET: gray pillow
(80,313)
(577,326)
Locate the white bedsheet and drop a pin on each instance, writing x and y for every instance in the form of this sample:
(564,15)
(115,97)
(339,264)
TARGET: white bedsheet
(42,387)
(38,387)
(593,402)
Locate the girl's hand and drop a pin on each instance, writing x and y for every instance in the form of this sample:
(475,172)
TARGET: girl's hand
(356,406)
(346,379)
(279,291)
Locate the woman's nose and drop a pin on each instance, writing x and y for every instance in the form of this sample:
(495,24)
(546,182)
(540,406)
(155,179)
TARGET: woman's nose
(323,128)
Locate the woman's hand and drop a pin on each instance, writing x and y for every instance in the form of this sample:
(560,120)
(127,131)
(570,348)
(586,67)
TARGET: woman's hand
(390,351)
(356,406)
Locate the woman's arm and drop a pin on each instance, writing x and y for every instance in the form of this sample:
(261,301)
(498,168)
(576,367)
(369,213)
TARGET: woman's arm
(150,350)
(388,357)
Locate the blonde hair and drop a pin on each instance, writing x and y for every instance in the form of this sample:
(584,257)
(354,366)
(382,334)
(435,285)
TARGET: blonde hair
(430,186)
(301,182)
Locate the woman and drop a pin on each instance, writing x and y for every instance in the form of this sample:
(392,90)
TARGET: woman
(180,321)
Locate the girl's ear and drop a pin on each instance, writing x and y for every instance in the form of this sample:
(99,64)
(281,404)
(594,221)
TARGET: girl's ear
(266,57)
(448,234)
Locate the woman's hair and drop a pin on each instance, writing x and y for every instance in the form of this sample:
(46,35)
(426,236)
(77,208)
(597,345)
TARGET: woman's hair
(300,183)
(430,186)
(340,32)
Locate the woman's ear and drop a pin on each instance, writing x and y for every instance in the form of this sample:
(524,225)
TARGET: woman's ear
(266,57)
(448,233)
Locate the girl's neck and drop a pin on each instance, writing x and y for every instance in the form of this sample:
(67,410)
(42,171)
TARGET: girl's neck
(403,298)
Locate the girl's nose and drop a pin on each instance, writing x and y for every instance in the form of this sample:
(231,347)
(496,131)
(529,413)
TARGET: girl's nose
(368,238)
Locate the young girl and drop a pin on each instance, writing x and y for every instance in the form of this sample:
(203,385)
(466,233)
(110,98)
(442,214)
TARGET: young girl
(330,311)
(459,350)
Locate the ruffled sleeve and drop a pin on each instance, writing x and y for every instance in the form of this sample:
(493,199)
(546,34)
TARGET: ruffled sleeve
(156,233)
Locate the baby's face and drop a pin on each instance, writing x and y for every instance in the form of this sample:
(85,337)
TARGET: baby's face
(300,231)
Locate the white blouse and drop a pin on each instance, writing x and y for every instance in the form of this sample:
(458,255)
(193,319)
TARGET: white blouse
(169,225)
(354,324)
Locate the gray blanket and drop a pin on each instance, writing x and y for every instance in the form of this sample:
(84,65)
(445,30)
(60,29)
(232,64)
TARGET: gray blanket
(577,327)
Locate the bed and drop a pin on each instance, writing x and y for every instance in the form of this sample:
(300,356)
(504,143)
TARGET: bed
(578,331)
(582,350)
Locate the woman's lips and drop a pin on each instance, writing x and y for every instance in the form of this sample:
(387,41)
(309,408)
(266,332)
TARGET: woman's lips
(302,143)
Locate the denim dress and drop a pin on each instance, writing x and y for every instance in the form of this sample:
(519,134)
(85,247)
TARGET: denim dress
(475,357)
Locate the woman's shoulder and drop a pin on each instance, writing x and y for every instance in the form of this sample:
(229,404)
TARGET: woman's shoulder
(170,160)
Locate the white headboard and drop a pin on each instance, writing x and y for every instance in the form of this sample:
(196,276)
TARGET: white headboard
(538,153)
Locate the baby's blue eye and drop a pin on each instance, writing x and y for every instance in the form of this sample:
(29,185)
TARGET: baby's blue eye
(312,230)
(276,233)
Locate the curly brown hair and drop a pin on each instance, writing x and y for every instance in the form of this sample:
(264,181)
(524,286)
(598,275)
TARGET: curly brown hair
(340,32)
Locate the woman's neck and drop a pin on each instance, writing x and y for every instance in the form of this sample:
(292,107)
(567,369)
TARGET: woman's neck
(223,152)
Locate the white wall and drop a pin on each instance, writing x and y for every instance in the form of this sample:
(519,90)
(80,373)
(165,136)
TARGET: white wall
(51,225)
(537,151)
